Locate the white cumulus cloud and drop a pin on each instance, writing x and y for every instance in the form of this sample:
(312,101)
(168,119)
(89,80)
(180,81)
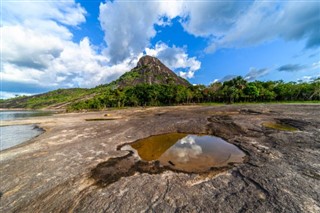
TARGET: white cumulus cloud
(38,47)
(267,20)
(129,25)
(38,50)
(185,150)
(176,59)
(205,18)
(65,12)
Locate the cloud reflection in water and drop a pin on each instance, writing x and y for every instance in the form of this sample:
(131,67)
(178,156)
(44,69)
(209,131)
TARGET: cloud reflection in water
(185,149)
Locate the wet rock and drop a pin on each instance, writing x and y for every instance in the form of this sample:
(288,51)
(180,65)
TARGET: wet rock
(250,112)
(299,124)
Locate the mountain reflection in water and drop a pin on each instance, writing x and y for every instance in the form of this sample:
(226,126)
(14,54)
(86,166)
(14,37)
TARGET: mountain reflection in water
(190,153)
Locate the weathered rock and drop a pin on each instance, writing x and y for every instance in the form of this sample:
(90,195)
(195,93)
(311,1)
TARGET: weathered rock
(150,70)
(61,170)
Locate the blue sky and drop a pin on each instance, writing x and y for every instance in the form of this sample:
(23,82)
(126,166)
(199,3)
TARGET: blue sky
(63,44)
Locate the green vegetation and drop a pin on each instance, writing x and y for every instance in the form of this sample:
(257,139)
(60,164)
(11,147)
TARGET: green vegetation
(130,76)
(236,90)
(55,97)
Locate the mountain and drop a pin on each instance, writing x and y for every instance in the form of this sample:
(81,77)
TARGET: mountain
(150,70)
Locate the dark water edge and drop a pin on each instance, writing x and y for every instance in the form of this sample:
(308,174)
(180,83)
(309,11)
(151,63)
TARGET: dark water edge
(16,134)
(20,114)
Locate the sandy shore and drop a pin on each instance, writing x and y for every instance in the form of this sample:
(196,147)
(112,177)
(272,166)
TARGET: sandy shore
(53,172)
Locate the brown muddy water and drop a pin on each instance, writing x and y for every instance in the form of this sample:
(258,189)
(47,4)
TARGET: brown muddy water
(188,153)
(279,126)
(175,151)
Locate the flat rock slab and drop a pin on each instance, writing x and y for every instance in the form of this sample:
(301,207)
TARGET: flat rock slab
(63,169)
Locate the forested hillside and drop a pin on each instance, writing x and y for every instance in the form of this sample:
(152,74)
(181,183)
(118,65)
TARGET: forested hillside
(151,83)
(233,91)
(54,98)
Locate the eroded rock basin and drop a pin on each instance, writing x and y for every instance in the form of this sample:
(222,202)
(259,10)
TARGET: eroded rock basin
(77,166)
(176,152)
(187,152)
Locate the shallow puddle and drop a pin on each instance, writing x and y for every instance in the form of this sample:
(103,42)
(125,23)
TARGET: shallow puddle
(189,153)
(176,152)
(279,126)
(100,119)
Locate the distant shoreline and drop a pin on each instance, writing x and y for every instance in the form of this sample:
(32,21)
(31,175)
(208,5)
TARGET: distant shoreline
(14,109)
(27,109)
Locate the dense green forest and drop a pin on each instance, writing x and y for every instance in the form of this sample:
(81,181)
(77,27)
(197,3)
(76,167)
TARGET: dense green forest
(237,90)
(233,91)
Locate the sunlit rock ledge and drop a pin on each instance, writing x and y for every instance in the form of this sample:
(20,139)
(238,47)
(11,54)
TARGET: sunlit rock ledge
(54,172)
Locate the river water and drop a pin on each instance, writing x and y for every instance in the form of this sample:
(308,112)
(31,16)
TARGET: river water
(13,135)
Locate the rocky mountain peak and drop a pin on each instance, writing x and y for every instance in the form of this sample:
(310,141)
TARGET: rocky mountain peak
(148,60)
(150,70)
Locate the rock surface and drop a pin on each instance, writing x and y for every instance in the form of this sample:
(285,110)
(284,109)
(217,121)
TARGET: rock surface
(59,170)
(150,70)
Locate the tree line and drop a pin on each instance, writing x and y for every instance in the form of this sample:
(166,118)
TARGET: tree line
(233,91)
